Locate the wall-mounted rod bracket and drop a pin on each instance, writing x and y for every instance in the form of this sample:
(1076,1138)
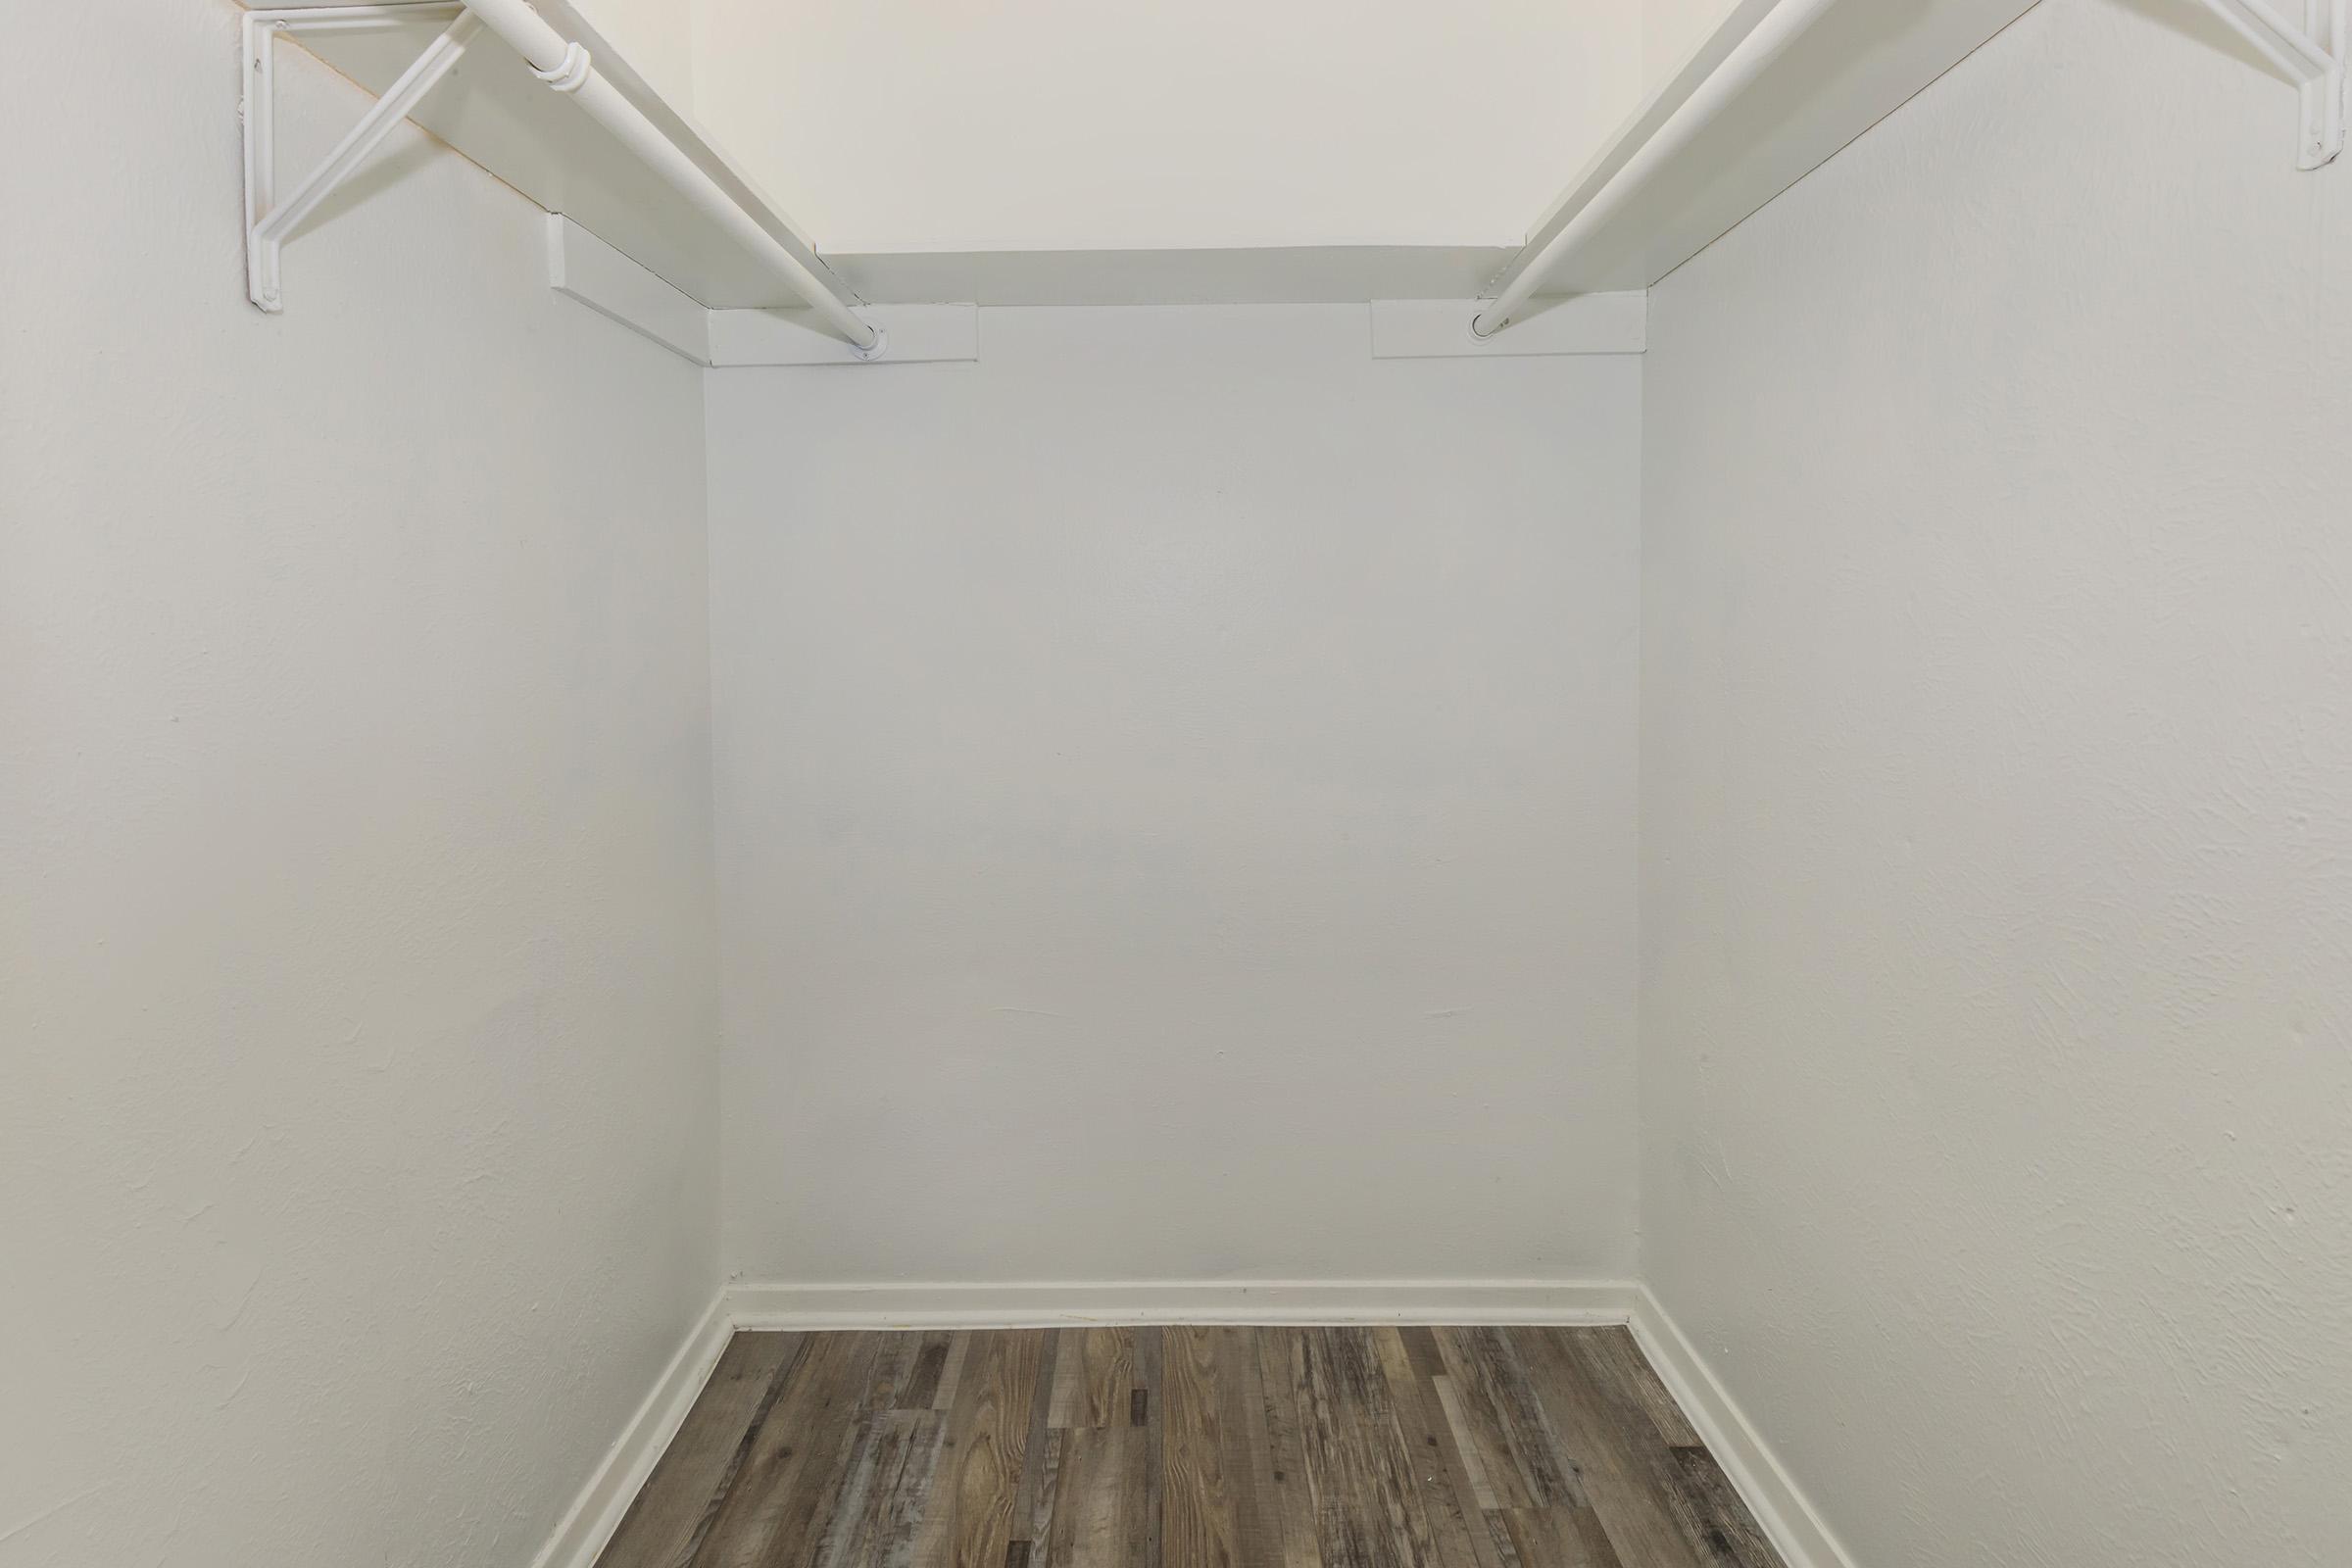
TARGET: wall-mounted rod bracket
(2313,56)
(270,222)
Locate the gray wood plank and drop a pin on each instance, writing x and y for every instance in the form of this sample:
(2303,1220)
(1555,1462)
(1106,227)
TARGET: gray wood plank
(1619,1369)
(1711,1510)
(1495,1393)
(1286,1456)
(1196,1518)
(1096,1380)
(968,1523)
(1148,1415)
(1100,1491)
(673,1511)
(1459,1537)
(1625,1476)
(1033,1446)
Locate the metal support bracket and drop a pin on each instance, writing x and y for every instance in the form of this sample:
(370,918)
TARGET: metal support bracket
(270,222)
(2313,56)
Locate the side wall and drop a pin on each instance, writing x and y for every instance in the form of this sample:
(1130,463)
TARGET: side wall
(1670,29)
(1997,814)
(657,36)
(358,1023)
(1175,792)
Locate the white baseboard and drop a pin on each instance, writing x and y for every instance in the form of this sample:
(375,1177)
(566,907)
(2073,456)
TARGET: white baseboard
(597,1512)
(756,1305)
(1787,1518)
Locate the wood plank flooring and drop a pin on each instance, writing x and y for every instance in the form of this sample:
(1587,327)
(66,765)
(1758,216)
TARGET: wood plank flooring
(1188,1448)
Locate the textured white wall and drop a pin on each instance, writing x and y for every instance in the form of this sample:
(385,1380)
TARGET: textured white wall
(1997,814)
(657,37)
(1175,799)
(1670,29)
(357,1170)
(1075,125)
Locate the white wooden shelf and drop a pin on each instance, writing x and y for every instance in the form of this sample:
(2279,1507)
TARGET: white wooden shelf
(1713,144)
(1849,69)
(494,111)
(1844,72)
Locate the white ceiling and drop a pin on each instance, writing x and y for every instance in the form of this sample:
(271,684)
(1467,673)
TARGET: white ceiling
(1150,124)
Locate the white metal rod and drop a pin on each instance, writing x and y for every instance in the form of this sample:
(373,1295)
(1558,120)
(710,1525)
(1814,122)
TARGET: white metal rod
(355,19)
(1757,51)
(258,110)
(530,36)
(2288,47)
(362,139)
(2317,61)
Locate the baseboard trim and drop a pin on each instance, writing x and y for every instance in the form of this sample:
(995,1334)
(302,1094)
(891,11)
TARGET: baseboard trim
(755,1305)
(597,1511)
(1788,1518)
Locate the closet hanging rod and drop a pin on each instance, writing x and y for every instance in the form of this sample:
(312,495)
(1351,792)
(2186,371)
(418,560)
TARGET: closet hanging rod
(566,67)
(1765,42)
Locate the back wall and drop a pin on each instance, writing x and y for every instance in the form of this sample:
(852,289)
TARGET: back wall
(1175,798)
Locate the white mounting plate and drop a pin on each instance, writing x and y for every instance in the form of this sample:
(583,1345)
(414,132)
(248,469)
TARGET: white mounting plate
(496,114)
(1440,330)
(587,270)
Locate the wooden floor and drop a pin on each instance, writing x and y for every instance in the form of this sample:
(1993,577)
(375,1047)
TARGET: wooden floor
(1188,1448)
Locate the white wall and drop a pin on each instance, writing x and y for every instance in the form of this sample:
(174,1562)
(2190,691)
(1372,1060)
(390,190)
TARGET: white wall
(1175,793)
(356,1145)
(1672,31)
(657,37)
(1075,125)
(1997,814)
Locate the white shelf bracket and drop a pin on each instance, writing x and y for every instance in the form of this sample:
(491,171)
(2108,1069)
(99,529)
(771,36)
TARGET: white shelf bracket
(2313,56)
(269,220)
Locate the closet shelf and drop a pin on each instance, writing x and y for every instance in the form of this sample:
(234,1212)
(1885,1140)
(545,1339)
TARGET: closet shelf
(581,133)
(1776,90)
